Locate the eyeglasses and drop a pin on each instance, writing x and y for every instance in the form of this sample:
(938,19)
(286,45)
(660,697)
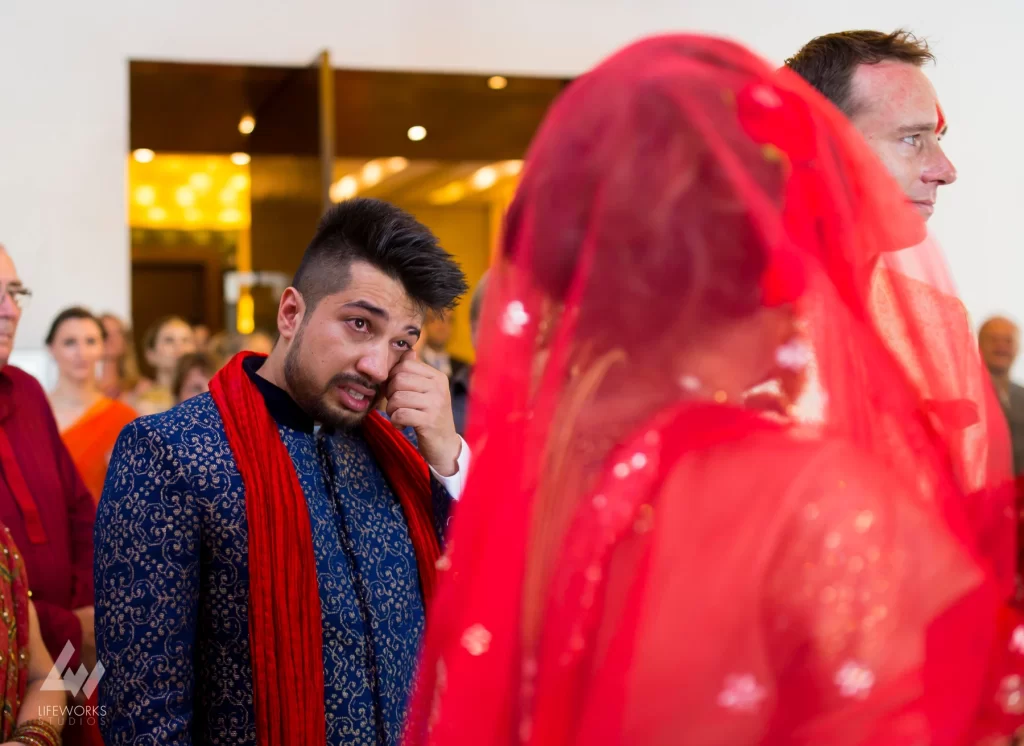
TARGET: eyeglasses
(19,294)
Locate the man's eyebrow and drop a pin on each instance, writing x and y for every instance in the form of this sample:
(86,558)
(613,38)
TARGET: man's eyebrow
(369,308)
(911,129)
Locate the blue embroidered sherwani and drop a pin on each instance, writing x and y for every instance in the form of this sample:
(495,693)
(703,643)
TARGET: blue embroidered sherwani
(172,582)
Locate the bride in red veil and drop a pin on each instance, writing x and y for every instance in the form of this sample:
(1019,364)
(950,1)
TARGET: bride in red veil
(739,476)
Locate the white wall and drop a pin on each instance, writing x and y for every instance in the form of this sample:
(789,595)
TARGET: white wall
(64,102)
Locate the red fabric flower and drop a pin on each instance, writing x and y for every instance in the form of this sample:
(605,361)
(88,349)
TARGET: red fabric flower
(777,117)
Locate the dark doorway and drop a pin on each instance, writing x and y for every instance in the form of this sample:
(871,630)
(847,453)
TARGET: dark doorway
(187,284)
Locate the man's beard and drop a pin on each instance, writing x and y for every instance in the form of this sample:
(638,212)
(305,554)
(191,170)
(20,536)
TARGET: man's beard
(314,400)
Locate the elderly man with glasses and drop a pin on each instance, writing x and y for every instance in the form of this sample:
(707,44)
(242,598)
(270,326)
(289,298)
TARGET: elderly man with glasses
(46,506)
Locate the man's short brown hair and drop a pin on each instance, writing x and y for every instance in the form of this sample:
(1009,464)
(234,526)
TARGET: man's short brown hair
(828,62)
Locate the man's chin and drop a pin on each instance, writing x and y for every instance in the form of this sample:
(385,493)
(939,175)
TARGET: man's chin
(924,209)
(340,417)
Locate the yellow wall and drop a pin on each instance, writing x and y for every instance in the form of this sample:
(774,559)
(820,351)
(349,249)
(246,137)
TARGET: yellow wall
(465,231)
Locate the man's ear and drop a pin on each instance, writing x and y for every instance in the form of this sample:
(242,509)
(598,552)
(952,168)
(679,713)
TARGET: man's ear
(290,313)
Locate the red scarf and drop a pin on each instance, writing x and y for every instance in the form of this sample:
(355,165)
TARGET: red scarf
(285,633)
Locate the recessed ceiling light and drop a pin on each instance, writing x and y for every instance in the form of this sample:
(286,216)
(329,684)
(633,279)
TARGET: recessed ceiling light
(247,124)
(143,155)
(497,82)
(417,133)
(240,159)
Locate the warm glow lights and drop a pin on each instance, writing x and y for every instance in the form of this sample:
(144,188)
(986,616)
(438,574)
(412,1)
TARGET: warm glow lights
(497,83)
(417,133)
(188,192)
(448,194)
(246,313)
(495,175)
(184,196)
(230,215)
(144,155)
(511,168)
(145,195)
(247,124)
(200,181)
(344,188)
(240,159)
(484,178)
(372,173)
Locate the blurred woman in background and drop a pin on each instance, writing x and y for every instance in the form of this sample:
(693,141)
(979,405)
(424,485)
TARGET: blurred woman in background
(119,372)
(193,375)
(89,420)
(225,345)
(165,342)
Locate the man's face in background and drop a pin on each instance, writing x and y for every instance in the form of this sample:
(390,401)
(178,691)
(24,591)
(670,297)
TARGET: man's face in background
(896,109)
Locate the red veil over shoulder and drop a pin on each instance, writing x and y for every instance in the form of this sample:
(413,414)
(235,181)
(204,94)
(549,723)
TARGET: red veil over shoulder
(642,559)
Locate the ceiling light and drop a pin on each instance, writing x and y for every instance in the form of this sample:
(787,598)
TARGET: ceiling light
(239,182)
(344,188)
(372,173)
(200,181)
(485,178)
(397,164)
(231,215)
(417,133)
(193,215)
(228,196)
(247,124)
(497,83)
(145,195)
(143,155)
(157,214)
(240,159)
(184,196)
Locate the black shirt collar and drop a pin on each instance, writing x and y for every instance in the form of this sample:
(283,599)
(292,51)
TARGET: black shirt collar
(282,407)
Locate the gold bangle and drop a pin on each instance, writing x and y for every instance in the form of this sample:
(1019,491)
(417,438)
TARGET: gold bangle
(37,733)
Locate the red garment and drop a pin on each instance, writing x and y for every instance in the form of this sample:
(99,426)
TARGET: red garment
(60,569)
(642,557)
(285,634)
(409,476)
